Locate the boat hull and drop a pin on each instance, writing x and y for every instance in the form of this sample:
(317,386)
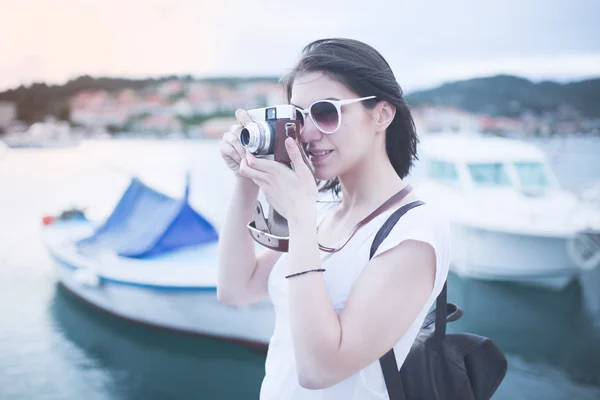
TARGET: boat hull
(190,308)
(493,255)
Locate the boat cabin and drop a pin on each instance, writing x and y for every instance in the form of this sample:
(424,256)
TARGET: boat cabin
(486,162)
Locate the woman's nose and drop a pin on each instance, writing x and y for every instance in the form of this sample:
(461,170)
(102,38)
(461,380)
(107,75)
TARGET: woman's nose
(310,133)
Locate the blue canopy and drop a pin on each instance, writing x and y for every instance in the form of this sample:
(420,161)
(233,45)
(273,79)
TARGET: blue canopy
(146,222)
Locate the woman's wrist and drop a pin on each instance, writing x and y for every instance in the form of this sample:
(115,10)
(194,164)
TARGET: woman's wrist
(304,243)
(246,185)
(303,221)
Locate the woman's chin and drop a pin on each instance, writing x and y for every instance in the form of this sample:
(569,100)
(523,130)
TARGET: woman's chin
(323,174)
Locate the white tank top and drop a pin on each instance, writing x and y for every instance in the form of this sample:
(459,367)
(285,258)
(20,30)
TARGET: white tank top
(422,223)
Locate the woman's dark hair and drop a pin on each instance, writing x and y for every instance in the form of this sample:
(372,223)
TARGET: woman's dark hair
(363,70)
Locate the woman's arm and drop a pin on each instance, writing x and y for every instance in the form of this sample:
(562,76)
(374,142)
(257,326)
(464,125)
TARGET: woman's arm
(242,277)
(385,300)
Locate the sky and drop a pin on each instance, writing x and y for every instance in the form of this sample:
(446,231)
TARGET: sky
(426,42)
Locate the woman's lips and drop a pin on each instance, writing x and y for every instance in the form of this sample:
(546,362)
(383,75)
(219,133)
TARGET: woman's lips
(318,156)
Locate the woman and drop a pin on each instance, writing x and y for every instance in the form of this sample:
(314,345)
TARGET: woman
(336,313)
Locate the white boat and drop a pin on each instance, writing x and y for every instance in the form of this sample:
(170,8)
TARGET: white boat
(153,261)
(510,218)
(49,133)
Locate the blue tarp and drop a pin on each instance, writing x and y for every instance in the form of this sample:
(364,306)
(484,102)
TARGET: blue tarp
(146,222)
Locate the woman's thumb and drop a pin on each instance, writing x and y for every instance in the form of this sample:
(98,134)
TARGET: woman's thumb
(242,117)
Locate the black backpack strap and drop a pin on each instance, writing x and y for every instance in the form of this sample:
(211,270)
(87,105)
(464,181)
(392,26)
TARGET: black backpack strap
(389,366)
(441,314)
(453,313)
(389,224)
(391,375)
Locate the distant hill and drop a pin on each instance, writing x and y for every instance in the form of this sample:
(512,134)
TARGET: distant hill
(36,101)
(501,95)
(506,95)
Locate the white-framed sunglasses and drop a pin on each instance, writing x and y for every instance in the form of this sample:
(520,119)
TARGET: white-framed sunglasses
(326,114)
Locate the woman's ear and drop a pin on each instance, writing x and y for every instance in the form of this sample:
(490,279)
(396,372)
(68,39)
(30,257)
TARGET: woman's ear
(384,115)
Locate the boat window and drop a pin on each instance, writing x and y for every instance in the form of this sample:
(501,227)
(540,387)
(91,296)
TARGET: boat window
(493,174)
(532,174)
(443,171)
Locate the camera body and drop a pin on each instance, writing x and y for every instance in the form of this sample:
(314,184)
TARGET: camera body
(269,128)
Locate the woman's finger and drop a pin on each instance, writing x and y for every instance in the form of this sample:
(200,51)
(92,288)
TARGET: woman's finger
(236,129)
(261,164)
(242,117)
(230,138)
(230,151)
(300,167)
(252,173)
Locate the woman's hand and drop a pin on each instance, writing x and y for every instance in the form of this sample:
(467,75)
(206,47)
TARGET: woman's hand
(291,191)
(230,146)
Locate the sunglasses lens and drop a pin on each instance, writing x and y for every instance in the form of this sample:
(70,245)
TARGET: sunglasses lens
(325,116)
(300,118)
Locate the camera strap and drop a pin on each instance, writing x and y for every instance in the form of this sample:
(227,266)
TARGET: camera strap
(273,232)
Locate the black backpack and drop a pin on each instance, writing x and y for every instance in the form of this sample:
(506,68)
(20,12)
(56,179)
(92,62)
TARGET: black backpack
(440,366)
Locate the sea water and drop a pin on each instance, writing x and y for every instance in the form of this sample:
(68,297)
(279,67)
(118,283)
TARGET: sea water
(52,346)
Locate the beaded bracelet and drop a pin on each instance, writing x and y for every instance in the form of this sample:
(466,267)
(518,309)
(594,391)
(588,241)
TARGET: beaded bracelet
(305,272)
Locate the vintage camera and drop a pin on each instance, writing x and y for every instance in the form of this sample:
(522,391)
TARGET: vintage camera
(265,137)
(270,126)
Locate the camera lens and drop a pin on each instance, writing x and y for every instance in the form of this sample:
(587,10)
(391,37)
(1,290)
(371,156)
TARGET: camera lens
(245,137)
(258,138)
